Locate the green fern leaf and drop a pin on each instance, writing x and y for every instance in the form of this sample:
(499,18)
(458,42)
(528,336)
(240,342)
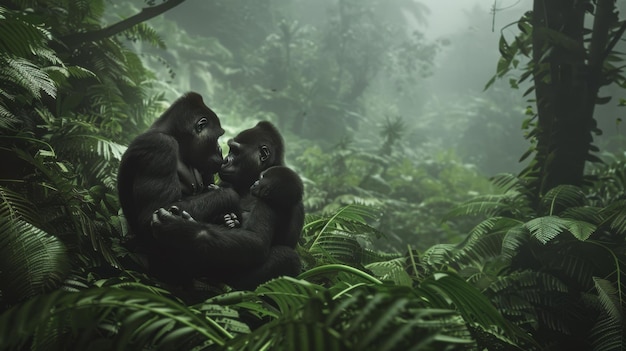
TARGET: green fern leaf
(607,334)
(28,76)
(563,196)
(14,206)
(288,293)
(18,36)
(609,298)
(32,261)
(547,228)
(615,215)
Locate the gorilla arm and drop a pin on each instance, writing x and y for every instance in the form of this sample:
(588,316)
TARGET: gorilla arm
(212,247)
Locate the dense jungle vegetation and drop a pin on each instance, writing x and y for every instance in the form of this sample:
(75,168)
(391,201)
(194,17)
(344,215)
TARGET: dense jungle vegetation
(423,232)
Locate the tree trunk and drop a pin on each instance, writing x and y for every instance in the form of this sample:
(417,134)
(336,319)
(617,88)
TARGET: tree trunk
(567,79)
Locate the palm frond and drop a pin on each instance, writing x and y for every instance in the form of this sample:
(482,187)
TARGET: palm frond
(588,214)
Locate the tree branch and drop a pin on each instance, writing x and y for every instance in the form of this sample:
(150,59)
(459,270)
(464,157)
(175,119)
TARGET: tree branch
(74,40)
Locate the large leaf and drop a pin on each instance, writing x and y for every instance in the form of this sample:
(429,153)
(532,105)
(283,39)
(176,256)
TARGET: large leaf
(547,228)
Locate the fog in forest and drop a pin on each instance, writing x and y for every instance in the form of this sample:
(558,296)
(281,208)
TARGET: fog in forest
(443,104)
(442,101)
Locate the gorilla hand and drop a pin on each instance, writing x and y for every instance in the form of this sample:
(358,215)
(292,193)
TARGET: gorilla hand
(162,220)
(231,220)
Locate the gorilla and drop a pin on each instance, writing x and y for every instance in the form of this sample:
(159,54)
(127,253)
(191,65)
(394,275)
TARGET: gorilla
(269,233)
(250,153)
(278,194)
(172,164)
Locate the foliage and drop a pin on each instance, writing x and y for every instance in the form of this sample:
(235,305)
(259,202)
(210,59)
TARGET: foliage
(354,313)
(511,256)
(61,119)
(412,190)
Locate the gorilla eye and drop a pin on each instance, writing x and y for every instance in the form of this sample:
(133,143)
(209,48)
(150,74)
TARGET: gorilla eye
(201,124)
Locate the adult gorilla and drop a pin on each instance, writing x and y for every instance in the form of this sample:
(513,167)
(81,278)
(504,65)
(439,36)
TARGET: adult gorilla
(171,164)
(252,152)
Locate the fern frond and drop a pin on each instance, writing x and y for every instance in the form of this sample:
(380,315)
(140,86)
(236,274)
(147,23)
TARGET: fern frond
(14,206)
(508,182)
(441,289)
(588,214)
(563,196)
(391,270)
(391,319)
(146,33)
(28,76)
(547,228)
(336,247)
(32,261)
(609,298)
(615,215)
(132,319)
(18,36)
(289,294)
(438,255)
(514,239)
(485,240)
(607,334)
(488,206)
(7,118)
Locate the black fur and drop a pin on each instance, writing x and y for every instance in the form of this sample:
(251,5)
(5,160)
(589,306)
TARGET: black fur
(171,164)
(252,152)
(278,194)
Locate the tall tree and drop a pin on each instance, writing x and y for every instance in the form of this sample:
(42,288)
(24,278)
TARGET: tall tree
(569,63)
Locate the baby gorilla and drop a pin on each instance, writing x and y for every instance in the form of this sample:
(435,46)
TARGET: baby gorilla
(277,193)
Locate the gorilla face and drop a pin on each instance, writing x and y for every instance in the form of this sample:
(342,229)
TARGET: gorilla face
(242,165)
(197,130)
(204,151)
(251,152)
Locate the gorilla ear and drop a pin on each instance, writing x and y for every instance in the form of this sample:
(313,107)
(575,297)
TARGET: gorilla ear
(265,153)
